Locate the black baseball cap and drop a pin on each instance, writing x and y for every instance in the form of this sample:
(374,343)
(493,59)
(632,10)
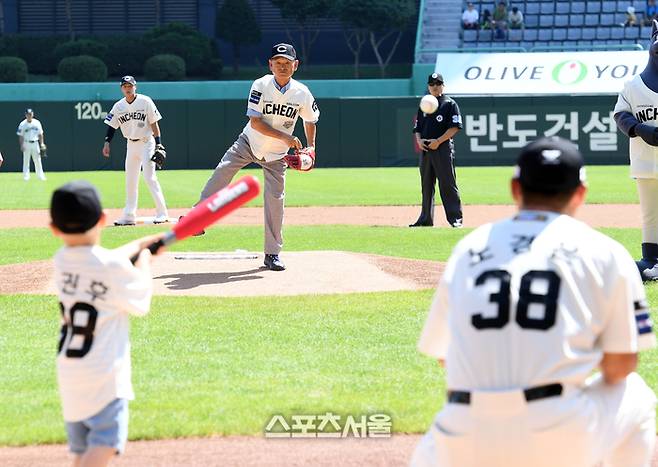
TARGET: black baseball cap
(75,207)
(128,80)
(435,78)
(284,50)
(550,165)
(29,111)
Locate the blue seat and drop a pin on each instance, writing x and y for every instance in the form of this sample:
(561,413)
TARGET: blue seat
(515,35)
(561,21)
(612,42)
(593,7)
(645,32)
(547,8)
(546,21)
(531,8)
(632,32)
(576,20)
(531,21)
(577,7)
(589,34)
(592,19)
(583,43)
(562,8)
(470,35)
(609,6)
(469,45)
(485,35)
(530,35)
(512,44)
(607,19)
(622,5)
(559,34)
(603,33)
(545,35)
(574,34)
(617,32)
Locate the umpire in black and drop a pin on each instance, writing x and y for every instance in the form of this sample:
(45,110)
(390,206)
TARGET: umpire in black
(434,134)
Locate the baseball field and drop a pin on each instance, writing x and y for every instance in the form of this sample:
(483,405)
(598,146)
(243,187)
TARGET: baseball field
(228,346)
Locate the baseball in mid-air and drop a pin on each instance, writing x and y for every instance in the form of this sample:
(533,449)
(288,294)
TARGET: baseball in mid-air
(429,104)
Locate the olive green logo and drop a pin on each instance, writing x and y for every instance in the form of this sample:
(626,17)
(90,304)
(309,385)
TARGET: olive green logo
(569,72)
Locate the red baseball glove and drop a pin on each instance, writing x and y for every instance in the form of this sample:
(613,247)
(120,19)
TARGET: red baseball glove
(302,159)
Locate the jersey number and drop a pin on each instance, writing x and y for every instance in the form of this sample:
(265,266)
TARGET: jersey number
(526,298)
(87,331)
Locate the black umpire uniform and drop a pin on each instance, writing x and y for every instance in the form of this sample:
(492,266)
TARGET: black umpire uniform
(438,163)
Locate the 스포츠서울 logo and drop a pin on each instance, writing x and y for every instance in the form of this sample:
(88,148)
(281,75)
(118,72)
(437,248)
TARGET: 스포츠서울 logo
(569,72)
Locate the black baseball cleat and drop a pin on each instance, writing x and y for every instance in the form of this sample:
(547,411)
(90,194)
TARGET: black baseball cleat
(457,224)
(420,224)
(198,234)
(273,263)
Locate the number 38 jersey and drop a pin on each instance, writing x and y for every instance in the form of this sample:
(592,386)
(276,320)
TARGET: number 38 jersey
(535,299)
(97,292)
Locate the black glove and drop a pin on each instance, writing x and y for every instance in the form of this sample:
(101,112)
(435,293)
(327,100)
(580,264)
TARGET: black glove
(159,156)
(648,133)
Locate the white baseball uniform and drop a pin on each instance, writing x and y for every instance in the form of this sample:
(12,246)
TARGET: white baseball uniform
(30,131)
(135,121)
(97,292)
(280,107)
(640,101)
(531,301)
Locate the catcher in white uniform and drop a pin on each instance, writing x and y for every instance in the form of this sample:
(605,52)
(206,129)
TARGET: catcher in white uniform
(30,140)
(98,290)
(526,310)
(138,118)
(275,103)
(636,115)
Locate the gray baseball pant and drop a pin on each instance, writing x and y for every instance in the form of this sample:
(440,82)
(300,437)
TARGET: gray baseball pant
(238,156)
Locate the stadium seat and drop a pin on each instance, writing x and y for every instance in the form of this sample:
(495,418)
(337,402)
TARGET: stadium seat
(645,32)
(485,35)
(612,42)
(469,45)
(609,6)
(530,35)
(512,44)
(603,33)
(592,19)
(559,34)
(546,21)
(607,19)
(617,32)
(573,34)
(620,18)
(484,45)
(632,32)
(531,21)
(589,34)
(545,35)
(562,8)
(515,35)
(583,43)
(561,21)
(547,8)
(578,7)
(576,20)
(470,35)
(531,8)
(622,5)
(593,7)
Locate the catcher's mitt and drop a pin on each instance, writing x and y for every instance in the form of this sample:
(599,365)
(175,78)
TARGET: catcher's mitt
(302,159)
(159,156)
(42,149)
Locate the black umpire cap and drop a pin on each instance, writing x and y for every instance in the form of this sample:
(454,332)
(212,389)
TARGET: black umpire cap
(128,80)
(75,207)
(550,166)
(435,78)
(284,50)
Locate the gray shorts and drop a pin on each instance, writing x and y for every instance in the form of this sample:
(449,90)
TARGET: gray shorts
(109,427)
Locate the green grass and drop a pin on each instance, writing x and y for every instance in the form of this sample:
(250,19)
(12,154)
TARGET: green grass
(321,187)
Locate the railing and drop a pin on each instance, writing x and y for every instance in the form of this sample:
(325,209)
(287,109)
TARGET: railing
(602,47)
(417,49)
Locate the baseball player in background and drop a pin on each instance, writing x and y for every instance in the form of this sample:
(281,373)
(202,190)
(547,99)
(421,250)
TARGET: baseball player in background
(138,118)
(274,104)
(635,114)
(1,159)
(98,290)
(526,309)
(30,140)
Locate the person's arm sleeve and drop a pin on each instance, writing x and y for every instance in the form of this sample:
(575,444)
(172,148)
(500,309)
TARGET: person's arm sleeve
(40,129)
(419,116)
(310,112)
(153,115)
(627,327)
(133,288)
(623,103)
(455,117)
(253,113)
(19,130)
(255,100)
(111,118)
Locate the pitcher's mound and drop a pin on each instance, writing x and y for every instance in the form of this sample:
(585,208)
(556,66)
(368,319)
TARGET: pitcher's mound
(240,274)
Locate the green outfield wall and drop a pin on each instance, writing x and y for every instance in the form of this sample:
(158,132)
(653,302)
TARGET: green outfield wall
(352,132)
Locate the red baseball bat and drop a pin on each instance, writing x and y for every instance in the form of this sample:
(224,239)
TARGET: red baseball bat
(209,211)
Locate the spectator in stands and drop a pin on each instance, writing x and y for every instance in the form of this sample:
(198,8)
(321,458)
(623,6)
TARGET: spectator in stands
(470,17)
(631,19)
(500,20)
(651,14)
(486,19)
(515,19)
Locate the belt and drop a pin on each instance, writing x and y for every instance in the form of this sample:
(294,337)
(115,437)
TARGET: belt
(133,140)
(33,141)
(531,394)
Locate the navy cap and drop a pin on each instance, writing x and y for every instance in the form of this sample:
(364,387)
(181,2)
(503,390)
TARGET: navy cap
(128,80)
(29,111)
(284,50)
(75,207)
(550,165)
(435,78)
